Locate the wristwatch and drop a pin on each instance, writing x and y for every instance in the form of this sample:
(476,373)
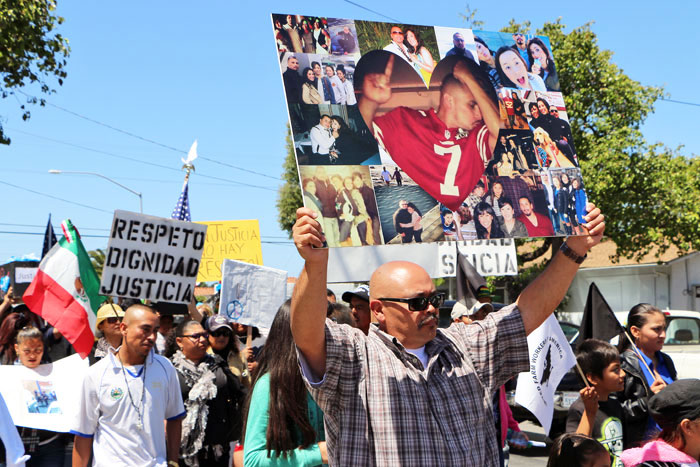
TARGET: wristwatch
(571,254)
(173,464)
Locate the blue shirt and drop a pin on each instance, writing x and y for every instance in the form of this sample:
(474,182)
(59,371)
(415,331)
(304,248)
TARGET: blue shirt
(652,426)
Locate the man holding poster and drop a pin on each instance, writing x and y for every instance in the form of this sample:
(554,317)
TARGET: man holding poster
(408,392)
(445,150)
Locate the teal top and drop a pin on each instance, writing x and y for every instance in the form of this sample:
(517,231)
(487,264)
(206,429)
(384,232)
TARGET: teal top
(254,450)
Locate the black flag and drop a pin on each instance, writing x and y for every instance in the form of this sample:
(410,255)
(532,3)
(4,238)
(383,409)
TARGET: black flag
(598,321)
(468,281)
(49,239)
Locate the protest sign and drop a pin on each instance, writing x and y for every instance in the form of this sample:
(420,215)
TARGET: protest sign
(251,294)
(385,157)
(20,275)
(489,257)
(152,258)
(239,240)
(46,397)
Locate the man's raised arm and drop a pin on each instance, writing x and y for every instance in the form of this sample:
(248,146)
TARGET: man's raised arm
(376,90)
(488,109)
(541,297)
(309,302)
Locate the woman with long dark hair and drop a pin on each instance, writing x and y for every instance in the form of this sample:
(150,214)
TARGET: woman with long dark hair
(415,224)
(419,53)
(513,72)
(352,149)
(646,325)
(282,423)
(487,62)
(485,222)
(213,397)
(309,88)
(542,63)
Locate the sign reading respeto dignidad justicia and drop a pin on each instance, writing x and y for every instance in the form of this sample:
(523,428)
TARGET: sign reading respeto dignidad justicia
(152,258)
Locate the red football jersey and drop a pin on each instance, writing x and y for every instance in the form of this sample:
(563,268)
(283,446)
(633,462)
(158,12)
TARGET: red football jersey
(445,162)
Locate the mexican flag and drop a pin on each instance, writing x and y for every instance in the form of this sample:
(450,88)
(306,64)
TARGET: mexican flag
(65,290)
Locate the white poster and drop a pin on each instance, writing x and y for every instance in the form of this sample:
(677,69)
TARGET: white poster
(251,294)
(550,358)
(152,258)
(46,397)
(489,257)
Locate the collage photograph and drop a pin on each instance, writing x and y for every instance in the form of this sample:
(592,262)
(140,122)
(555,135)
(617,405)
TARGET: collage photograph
(465,128)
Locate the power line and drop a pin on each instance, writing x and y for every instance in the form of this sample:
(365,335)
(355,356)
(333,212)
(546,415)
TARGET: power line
(13,232)
(372,11)
(679,102)
(107,230)
(147,140)
(54,197)
(139,161)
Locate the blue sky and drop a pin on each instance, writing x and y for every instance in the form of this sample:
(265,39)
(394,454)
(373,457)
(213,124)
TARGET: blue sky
(173,72)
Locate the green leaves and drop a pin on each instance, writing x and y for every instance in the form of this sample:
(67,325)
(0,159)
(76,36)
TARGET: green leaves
(289,197)
(30,52)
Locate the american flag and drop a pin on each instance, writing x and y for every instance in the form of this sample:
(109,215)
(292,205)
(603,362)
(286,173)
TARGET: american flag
(182,208)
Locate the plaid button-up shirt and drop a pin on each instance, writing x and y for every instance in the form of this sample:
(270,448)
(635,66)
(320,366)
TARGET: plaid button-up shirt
(382,408)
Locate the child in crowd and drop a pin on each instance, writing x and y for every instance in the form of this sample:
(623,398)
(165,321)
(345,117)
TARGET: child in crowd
(595,413)
(576,450)
(46,448)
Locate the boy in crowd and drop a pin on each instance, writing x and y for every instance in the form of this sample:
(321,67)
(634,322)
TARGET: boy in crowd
(596,413)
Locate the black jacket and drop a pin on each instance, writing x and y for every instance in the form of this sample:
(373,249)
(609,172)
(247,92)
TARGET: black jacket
(635,397)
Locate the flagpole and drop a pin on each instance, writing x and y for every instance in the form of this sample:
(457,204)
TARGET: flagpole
(638,353)
(580,372)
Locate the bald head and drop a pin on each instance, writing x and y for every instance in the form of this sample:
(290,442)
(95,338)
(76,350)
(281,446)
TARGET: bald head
(137,313)
(397,277)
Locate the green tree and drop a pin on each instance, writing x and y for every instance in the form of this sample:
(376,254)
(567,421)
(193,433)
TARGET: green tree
(97,258)
(31,52)
(289,196)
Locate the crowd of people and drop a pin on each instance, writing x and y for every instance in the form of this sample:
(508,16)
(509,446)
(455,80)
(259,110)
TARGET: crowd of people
(375,383)
(303,34)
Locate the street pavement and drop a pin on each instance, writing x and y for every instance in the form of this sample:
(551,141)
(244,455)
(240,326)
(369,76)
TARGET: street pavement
(531,457)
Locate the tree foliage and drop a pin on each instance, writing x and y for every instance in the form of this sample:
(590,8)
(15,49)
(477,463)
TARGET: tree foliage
(31,52)
(289,196)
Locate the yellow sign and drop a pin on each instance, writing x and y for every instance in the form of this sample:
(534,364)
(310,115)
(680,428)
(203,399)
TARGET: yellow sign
(239,240)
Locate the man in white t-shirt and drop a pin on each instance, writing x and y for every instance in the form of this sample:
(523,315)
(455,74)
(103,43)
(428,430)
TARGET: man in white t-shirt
(126,398)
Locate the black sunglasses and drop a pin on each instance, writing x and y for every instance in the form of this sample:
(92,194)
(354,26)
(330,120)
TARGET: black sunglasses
(113,320)
(420,303)
(220,332)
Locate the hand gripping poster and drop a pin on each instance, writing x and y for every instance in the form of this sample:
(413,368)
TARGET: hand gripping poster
(409,134)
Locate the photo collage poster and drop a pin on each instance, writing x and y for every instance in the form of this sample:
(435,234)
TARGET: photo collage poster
(407,134)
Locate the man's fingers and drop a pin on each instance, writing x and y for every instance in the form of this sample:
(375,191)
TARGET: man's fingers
(389,67)
(301,212)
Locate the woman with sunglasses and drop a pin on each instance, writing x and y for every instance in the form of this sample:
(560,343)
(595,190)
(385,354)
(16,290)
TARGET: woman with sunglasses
(223,343)
(109,316)
(212,398)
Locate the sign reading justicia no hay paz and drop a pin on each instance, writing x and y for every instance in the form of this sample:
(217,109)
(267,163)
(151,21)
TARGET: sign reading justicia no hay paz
(238,240)
(152,258)
(406,133)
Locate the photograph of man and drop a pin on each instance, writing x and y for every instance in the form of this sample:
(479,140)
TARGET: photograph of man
(403,222)
(396,46)
(343,42)
(459,49)
(322,142)
(292,80)
(521,47)
(557,128)
(537,225)
(445,150)
(326,194)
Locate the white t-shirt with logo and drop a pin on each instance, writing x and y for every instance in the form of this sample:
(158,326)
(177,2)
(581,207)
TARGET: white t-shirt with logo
(108,416)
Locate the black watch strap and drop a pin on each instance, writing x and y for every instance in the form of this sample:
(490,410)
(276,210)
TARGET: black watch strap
(571,254)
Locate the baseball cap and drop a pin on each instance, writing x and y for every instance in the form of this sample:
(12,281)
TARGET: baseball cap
(217,322)
(108,310)
(459,309)
(361,292)
(676,402)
